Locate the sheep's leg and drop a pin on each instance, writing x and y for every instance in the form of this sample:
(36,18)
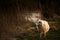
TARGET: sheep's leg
(44,35)
(41,34)
(37,28)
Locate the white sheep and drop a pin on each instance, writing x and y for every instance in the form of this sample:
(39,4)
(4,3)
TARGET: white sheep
(43,27)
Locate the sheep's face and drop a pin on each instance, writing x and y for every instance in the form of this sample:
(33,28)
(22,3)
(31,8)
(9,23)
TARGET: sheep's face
(40,23)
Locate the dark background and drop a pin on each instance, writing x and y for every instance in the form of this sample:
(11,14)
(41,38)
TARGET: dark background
(46,6)
(11,19)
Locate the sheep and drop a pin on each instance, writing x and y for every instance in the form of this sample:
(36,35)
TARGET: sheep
(43,27)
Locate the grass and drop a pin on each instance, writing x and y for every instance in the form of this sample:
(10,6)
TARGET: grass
(51,35)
